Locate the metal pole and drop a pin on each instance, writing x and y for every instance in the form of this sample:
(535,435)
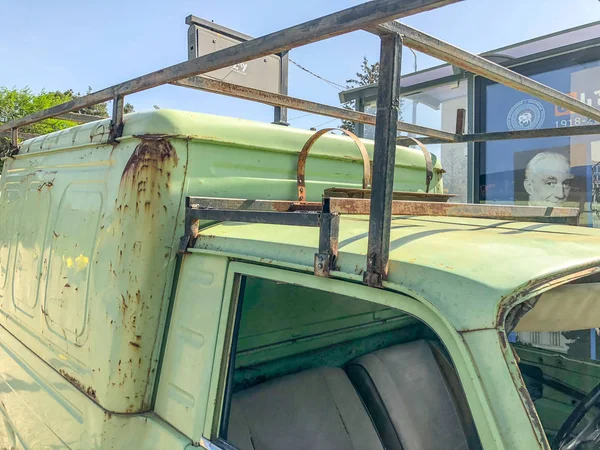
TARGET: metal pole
(360,127)
(472,160)
(414,102)
(384,158)
(280,113)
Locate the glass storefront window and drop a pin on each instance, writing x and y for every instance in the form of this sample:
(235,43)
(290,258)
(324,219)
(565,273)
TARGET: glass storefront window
(559,171)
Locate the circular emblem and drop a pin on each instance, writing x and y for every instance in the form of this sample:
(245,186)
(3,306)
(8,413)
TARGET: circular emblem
(526,115)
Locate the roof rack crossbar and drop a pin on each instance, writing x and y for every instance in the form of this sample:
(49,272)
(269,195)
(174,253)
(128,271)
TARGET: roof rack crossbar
(351,19)
(437,48)
(298,104)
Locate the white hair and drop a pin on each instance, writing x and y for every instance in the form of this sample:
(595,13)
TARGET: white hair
(530,168)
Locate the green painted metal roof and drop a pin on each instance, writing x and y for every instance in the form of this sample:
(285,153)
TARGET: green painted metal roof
(216,129)
(463,266)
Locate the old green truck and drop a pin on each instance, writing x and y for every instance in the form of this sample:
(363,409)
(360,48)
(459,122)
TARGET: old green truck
(174,280)
(113,335)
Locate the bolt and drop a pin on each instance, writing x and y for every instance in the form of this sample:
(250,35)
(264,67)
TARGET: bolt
(320,266)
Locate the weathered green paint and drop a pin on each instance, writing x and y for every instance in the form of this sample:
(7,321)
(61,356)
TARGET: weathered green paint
(88,240)
(465,267)
(90,232)
(497,368)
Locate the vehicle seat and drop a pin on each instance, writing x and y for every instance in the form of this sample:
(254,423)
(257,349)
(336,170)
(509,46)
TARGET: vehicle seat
(414,398)
(317,409)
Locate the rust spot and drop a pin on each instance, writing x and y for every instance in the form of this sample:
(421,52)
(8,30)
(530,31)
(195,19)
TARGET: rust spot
(134,344)
(67,285)
(147,162)
(55,234)
(47,183)
(89,391)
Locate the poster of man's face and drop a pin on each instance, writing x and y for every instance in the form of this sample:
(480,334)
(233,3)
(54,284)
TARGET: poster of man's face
(545,178)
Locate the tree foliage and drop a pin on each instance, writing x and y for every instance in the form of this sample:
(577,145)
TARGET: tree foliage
(368,74)
(17,103)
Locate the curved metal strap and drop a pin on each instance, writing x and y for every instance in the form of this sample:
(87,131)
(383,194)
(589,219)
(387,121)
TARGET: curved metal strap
(428,163)
(304,154)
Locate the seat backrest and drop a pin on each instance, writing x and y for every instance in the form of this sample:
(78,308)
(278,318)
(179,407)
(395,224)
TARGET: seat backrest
(412,404)
(317,409)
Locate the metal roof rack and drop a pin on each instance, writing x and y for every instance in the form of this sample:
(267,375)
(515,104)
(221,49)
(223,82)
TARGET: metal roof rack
(325,215)
(376,17)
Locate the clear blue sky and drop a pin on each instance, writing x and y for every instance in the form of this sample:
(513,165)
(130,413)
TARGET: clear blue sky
(68,44)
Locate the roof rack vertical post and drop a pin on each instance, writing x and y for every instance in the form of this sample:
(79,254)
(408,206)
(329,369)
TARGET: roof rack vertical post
(14,140)
(116,123)
(280,113)
(329,232)
(384,158)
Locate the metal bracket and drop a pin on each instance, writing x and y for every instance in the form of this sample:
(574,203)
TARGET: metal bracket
(116,123)
(326,258)
(191,230)
(191,234)
(14,144)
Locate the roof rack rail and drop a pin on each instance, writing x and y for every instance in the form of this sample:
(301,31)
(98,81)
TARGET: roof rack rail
(377,17)
(325,215)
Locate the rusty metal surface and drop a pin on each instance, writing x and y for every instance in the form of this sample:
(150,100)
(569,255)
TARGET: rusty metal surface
(384,156)
(428,163)
(298,104)
(480,66)
(421,208)
(221,208)
(338,23)
(398,195)
(301,169)
(297,218)
(116,123)
(252,205)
